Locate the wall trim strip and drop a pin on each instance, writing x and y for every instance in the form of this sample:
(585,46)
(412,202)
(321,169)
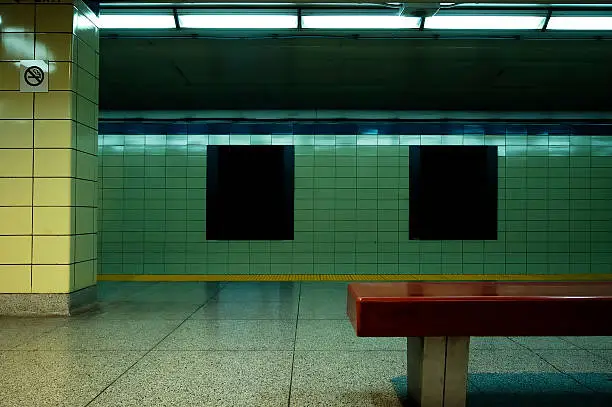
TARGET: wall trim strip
(353,277)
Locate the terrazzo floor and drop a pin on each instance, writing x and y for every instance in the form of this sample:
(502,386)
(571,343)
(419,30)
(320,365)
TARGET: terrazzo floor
(264,344)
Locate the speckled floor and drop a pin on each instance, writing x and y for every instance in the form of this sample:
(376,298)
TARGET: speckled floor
(264,344)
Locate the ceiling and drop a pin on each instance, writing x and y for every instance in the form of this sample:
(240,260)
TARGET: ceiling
(351,73)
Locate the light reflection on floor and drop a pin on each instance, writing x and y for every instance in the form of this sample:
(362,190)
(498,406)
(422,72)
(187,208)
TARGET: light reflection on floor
(263,344)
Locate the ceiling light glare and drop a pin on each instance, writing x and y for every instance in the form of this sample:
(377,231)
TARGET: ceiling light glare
(576,23)
(238,21)
(484,22)
(360,22)
(136,21)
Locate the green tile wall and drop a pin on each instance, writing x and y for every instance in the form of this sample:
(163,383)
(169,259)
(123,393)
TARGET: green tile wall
(351,208)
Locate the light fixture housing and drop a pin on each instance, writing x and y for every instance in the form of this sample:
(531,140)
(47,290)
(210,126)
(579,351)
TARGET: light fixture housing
(239,19)
(357,21)
(132,19)
(418,9)
(455,19)
(495,20)
(590,22)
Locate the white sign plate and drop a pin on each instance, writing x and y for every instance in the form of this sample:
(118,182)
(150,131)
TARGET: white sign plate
(34,76)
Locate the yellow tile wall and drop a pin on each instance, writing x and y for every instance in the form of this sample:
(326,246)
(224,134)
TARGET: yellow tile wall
(17,18)
(54,133)
(15,192)
(54,47)
(16,163)
(17,46)
(53,250)
(87,166)
(15,279)
(16,105)
(84,220)
(9,75)
(54,162)
(48,216)
(52,18)
(85,193)
(54,191)
(15,250)
(84,274)
(16,220)
(87,112)
(15,134)
(86,30)
(86,139)
(55,105)
(61,76)
(87,57)
(87,84)
(84,248)
(52,278)
(54,220)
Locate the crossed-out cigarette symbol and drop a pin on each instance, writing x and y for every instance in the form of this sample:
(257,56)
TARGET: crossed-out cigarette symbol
(34,75)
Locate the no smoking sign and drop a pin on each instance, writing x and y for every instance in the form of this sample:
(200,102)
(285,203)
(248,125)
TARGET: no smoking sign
(34,76)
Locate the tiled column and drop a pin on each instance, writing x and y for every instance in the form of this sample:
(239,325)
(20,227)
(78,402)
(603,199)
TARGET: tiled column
(48,159)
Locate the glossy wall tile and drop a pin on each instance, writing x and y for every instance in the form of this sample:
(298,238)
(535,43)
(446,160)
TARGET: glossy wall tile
(352,200)
(48,147)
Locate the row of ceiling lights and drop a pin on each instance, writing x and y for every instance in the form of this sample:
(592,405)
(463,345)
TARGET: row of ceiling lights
(168,19)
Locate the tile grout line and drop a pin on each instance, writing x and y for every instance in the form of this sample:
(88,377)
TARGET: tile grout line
(591,351)
(588,350)
(33,171)
(555,367)
(150,350)
(297,320)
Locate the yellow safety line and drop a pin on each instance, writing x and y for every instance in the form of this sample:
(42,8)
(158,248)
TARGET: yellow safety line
(354,277)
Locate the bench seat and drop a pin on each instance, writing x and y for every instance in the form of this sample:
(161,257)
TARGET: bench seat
(439,318)
(480,309)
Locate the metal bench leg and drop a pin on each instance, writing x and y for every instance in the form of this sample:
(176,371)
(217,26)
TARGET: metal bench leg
(437,371)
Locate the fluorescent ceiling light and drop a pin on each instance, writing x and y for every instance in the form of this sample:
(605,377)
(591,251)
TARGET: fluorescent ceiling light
(137,21)
(580,23)
(487,5)
(484,22)
(348,22)
(238,21)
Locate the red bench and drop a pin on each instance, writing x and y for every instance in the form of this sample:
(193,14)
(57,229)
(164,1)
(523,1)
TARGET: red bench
(439,318)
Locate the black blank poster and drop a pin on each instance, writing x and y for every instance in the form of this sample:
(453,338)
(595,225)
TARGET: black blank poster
(249,193)
(453,192)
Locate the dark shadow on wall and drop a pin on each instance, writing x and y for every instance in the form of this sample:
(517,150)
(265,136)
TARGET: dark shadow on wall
(531,390)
